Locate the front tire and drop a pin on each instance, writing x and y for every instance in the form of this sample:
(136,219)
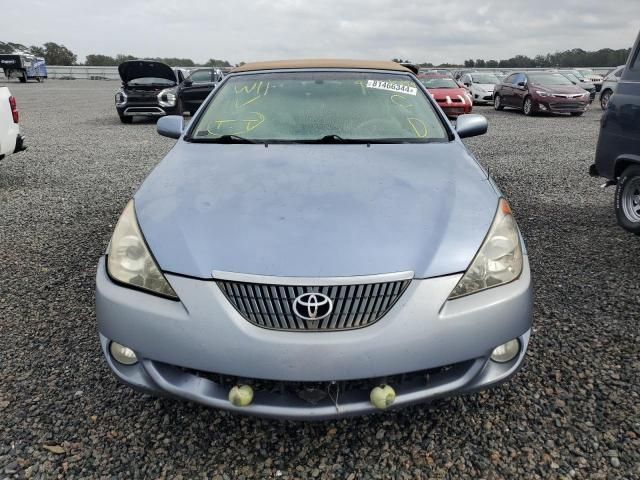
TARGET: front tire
(497,103)
(577,114)
(604,98)
(125,119)
(627,199)
(23,78)
(527,106)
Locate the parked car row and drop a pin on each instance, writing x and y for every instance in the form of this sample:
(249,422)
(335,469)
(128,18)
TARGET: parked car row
(153,89)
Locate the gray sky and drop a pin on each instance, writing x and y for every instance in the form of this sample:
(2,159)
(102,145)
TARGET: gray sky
(434,31)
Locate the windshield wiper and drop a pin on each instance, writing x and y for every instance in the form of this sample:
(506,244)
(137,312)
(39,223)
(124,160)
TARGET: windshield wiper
(223,139)
(332,138)
(362,141)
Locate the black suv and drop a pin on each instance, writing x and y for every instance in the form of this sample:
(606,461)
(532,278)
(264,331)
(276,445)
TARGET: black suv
(148,90)
(618,152)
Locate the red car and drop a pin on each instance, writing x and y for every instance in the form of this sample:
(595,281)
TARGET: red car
(452,98)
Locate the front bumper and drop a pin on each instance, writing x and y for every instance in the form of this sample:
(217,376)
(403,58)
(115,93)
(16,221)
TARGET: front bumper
(561,106)
(145,110)
(483,98)
(193,348)
(456,109)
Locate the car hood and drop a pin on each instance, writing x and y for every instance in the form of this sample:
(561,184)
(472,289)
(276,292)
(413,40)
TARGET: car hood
(585,85)
(443,93)
(144,68)
(485,86)
(316,210)
(559,88)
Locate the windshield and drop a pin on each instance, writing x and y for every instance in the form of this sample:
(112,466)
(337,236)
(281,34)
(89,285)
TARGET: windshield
(150,81)
(572,77)
(549,79)
(315,106)
(431,82)
(201,76)
(585,73)
(484,78)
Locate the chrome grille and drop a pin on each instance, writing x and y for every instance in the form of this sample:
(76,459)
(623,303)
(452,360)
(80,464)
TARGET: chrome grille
(567,106)
(354,306)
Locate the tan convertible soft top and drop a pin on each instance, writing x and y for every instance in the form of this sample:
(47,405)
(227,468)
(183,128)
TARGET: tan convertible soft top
(321,63)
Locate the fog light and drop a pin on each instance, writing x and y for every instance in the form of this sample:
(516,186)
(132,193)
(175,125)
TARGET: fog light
(122,354)
(542,107)
(506,352)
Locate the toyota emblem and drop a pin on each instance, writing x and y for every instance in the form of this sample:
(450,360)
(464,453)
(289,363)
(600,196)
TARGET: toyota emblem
(312,306)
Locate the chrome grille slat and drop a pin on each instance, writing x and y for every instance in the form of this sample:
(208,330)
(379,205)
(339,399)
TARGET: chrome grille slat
(371,303)
(364,306)
(354,306)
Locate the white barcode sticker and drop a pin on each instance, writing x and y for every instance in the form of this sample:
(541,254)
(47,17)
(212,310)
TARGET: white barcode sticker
(392,87)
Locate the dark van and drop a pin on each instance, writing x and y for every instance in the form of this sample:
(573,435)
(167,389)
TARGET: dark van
(618,151)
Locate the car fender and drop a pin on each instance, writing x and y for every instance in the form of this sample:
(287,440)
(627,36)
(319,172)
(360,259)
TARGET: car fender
(624,161)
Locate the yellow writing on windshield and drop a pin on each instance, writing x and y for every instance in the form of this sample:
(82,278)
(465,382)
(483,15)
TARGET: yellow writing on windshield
(401,101)
(217,128)
(247,94)
(418,126)
(362,85)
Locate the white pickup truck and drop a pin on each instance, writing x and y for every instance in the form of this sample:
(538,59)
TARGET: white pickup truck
(11,141)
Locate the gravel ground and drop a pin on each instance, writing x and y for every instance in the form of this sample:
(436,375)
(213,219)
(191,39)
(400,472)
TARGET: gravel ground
(572,412)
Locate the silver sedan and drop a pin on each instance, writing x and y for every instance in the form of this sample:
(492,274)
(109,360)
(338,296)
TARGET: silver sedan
(318,243)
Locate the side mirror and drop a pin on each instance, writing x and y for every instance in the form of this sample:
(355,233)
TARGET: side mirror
(187,82)
(467,84)
(522,84)
(170,126)
(471,125)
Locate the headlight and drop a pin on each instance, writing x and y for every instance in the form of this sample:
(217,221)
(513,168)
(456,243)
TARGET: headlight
(167,97)
(121,98)
(543,94)
(129,260)
(499,259)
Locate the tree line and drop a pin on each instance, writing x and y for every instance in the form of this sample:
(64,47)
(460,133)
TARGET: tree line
(98,60)
(605,57)
(55,54)
(576,57)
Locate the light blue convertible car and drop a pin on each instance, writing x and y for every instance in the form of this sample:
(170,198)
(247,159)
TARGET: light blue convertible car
(318,243)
